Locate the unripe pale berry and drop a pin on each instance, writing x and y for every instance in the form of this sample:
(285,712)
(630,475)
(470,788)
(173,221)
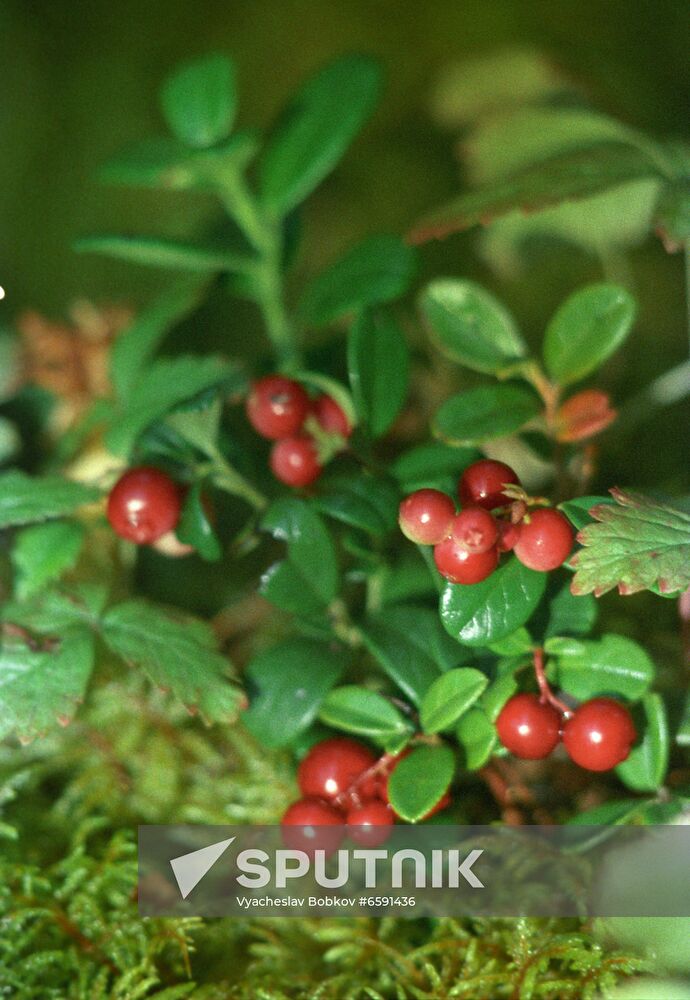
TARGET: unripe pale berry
(295,462)
(331,416)
(277,407)
(458,565)
(545,541)
(144,504)
(481,484)
(332,767)
(600,734)
(474,529)
(528,727)
(425,516)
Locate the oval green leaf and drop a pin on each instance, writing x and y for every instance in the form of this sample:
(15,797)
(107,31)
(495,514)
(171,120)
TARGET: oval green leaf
(308,578)
(449,697)
(484,413)
(378,365)
(645,768)
(612,665)
(199,100)
(477,738)
(367,713)
(420,781)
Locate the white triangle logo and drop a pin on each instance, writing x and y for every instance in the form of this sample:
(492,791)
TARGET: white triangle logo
(189,869)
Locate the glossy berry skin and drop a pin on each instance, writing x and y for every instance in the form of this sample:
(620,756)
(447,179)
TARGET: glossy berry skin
(546,541)
(332,767)
(306,826)
(370,823)
(330,416)
(528,727)
(457,565)
(425,516)
(277,407)
(295,462)
(481,484)
(599,735)
(474,529)
(508,535)
(144,504)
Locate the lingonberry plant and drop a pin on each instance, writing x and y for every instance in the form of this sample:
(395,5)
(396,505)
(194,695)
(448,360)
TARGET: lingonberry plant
(439,663)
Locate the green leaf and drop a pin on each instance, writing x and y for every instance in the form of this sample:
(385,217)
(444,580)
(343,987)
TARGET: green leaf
(614,813)
(410,645)
(316,129)
(470,326)
(485,612)
(195,528)
(163,386)
(571,615)
(199,100)
(198,425)
(308,578)
(39,687)
(364,502)
(134,347)
(54,612)
(518,642)
(378,364)
(155,163)
(499,691)
(612,665)
(484,413)
(449,697)
(586,330)
(43,552)
(179,654)
(377,270)
(564,177)
(645,768)
(578,510)
(174,254)
(477,738)
(331,388)
(354,709)
(288,683)
(636,544)
(419,781)
(10,439)
(434,465)
(673,215)
(26,499)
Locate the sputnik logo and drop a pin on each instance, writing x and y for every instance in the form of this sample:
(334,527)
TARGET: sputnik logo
(189,869)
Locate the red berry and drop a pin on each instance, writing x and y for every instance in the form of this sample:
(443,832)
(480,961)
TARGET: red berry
(304,826)
(425,516)
(331,416)
(481,484)
(528,727)
(144,504)
(332,767)
(545,540)
(474,529)
(370,823)
(600,734)
(460,566)
(508,535)
(277,407)
(295,461)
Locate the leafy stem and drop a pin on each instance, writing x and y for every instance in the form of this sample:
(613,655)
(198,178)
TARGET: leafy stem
(227,478)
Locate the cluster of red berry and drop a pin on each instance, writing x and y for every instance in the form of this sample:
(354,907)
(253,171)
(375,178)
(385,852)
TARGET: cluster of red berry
(597,736)
(344,784)
(144,505)
(277,408)
(468,544)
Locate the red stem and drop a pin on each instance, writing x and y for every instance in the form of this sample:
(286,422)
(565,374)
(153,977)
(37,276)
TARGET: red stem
(547,695)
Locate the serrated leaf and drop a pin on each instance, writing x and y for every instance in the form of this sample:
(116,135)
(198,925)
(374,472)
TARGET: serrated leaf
(316,129)
(586,330)
(449,697)
(484,413)
(409,643)
(27,499)
(570,614)
(434,465)
(491,610)
(477,738)
(289,682)
(419,781)
(470,326)
(645,768)
(40,687)
(199,100)
(195,527)
(167,253)
(612,665)
(53,612)
(378,365)
(179,654)
(564,177)
(43,552)
(636,544)
(578,510)
(364,502)
(377,270)
(308,578)
(355,709)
